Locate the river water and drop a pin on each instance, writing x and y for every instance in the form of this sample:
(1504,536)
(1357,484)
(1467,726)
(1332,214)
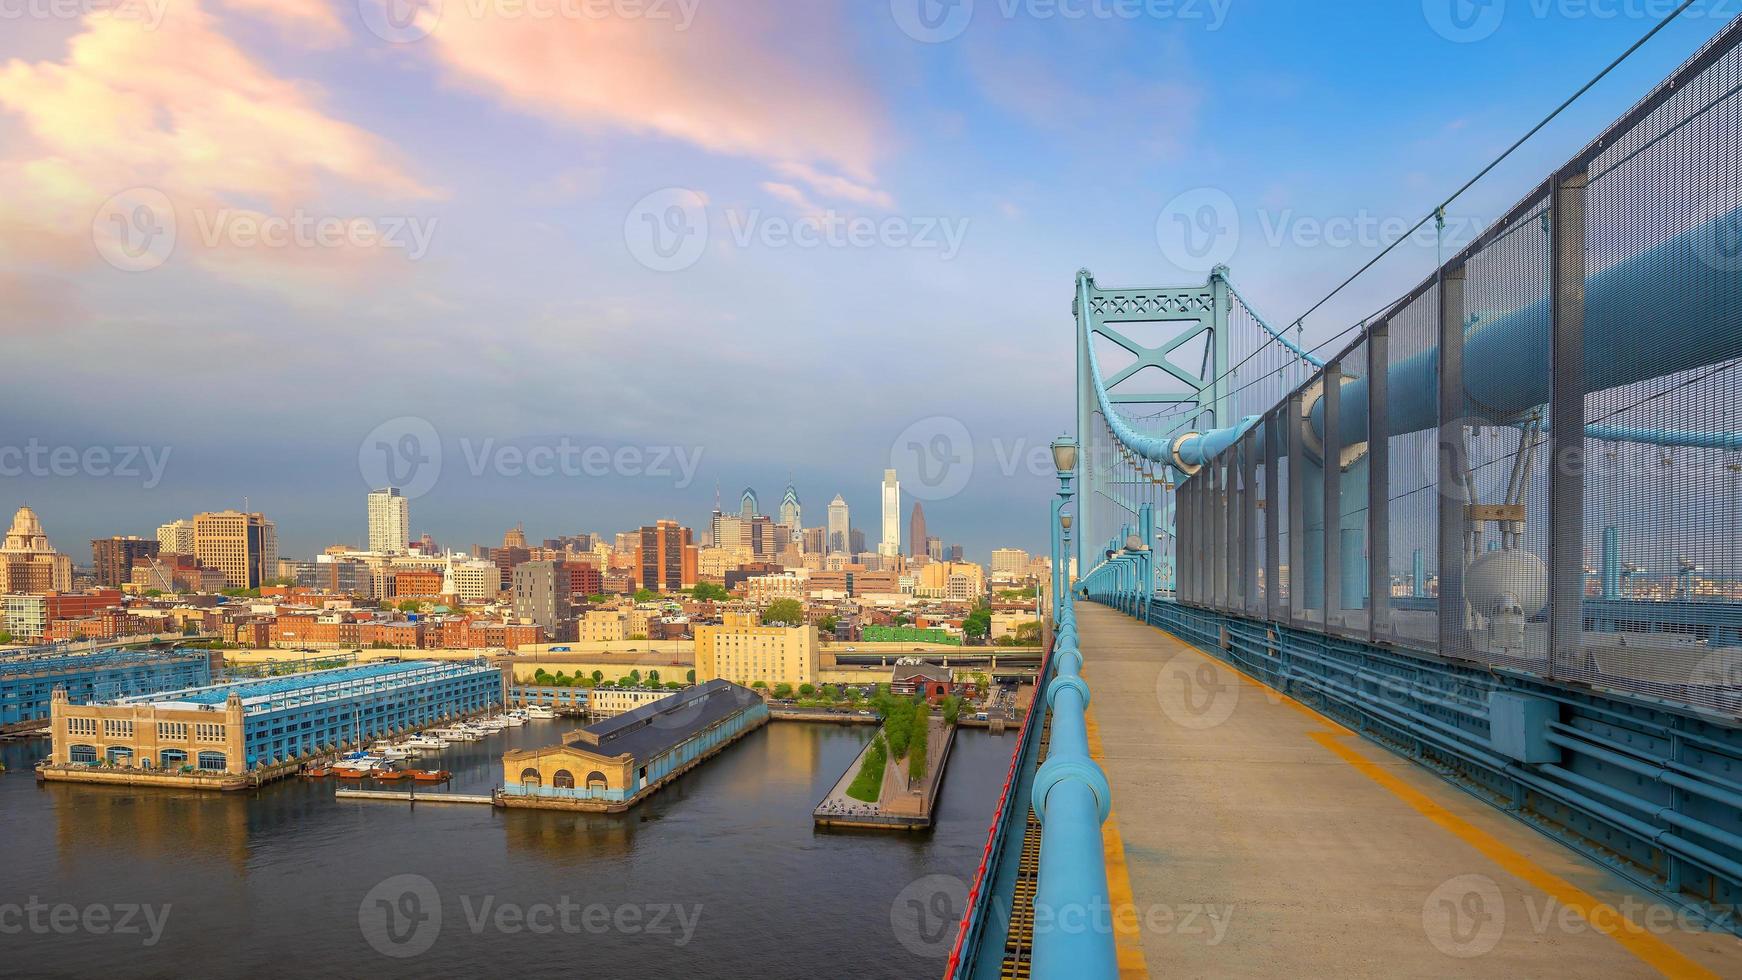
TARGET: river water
(719,875)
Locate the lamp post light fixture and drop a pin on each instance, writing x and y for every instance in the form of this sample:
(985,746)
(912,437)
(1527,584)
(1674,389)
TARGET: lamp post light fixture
(1064,458)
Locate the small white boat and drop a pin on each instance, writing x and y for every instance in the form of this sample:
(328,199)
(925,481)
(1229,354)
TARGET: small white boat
(451,735)
(359,763)
(515,718)
(394,753)
(428,743)
(541,712)
(495,724)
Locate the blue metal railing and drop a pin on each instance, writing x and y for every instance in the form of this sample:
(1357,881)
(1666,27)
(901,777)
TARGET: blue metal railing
(1073,933)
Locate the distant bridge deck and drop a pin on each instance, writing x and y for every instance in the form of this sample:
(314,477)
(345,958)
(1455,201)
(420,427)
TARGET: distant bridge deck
(1260,838)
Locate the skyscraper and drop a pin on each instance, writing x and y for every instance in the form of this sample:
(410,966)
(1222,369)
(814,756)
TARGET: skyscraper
(916,531)
(792,513)
(665,557)
(113,558)
(748,509)
(242,547)
(890,544)
(840,531)
(389,521)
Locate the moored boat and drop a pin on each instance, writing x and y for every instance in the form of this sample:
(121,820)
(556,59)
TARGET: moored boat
(431,775)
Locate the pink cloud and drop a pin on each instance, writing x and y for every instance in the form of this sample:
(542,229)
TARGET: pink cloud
(723,83)
(181,110)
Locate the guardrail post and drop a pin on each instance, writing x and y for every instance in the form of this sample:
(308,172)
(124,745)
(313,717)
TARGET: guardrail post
(1453,521)
(1566,438)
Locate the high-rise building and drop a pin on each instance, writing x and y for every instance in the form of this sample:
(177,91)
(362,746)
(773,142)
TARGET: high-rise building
(113,558)
(515,537)
(242,547)
(176,538)
(954,553)
(856,541)
(1009,564)
(541,594)
(916,531)
(389,521)
(816,540)
(889,546)
(28,563)
(840,531)
(665,558)
(934,548)
(792,514)
(748,509)
(744,651)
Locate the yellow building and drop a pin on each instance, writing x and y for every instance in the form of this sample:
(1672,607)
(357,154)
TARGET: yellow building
(602,626)
(244,547)
(149,736)
(744,651)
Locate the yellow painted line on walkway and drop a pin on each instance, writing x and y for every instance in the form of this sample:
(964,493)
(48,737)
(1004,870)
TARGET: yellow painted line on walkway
(1127,929)
(1602,916)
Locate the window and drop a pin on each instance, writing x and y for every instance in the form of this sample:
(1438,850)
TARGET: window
(209,733)
(117,729)
(530,778)
(81,726)
(563,779)
(213,762)
(82,754)
(172,730)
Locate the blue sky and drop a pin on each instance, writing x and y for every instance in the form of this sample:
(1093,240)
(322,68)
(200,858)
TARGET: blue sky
(476,257)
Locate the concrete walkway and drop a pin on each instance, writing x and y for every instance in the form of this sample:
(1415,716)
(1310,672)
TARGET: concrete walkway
(1261,839)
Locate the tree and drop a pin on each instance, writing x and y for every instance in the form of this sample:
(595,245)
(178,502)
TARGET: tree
(598,598)
(153,593)
(783,612)
(541,677)
(709,592)
(690,676)
(916,753)
(628,682)
(5,637)
(952,710)
(978,623)
(409,606)
(673,686)
(826,625)
(646,595)
(1028,633)
(598,676)
(783,690)
(653,677)
(830,692)
(635,676)
(760,685)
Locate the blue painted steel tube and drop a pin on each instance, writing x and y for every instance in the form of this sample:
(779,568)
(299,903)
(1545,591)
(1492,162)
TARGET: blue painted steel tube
(1073,920)
(1695,321)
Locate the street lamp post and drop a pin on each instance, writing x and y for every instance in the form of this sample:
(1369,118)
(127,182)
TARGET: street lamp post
(1064,458)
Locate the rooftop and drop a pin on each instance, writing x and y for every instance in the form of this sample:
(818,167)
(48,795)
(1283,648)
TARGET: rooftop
(263,694)
(656,727)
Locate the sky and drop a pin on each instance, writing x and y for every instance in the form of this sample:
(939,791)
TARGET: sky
(576,263)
